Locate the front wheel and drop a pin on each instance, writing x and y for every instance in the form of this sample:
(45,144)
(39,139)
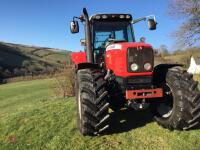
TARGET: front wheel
(92,105)
(180,107)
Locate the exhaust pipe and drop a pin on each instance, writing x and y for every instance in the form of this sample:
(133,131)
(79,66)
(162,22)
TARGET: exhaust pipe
(89,52)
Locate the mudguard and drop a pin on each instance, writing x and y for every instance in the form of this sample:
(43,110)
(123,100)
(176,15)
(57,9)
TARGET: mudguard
(160,71)
(79,59)
(86,65)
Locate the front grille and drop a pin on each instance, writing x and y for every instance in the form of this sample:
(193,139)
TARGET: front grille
(140,56)
(134,82)
(139,80)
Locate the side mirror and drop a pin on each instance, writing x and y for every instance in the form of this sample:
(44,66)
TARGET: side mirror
(152,24)
(82,41)
(74,27)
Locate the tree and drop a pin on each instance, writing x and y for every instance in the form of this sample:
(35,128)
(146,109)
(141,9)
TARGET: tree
(24,71)
(1,73)
(156,51)
(188,33)
(26,63)
(7,73)
(163,50)
(1,69)
(17,72)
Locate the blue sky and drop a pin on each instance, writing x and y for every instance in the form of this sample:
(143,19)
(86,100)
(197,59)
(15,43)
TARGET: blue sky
(46,22)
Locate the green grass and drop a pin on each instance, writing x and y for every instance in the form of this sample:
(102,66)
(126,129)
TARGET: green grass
(29,112)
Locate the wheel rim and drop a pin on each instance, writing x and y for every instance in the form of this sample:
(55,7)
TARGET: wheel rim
(79,104)
(165,108)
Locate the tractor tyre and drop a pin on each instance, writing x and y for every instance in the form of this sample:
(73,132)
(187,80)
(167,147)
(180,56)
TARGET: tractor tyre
(116,103)
(116,98)
(180,107)
(92,105)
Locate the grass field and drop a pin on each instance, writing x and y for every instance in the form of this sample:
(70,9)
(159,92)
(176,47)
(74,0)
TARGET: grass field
(32,118)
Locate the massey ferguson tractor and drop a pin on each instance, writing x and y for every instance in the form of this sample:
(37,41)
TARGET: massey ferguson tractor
(116,72)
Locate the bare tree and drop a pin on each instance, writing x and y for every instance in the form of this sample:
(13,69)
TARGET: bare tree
(163,50)
(16,72)
(189,11)
(26,63)
(1,69)
(7,73)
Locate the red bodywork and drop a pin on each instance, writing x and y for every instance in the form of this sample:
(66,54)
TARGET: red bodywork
(78,57)
(144,93)
(116,60)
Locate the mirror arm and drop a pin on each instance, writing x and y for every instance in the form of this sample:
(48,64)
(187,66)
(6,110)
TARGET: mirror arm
(74,18)
(79,18)
(143,19)
(138,20)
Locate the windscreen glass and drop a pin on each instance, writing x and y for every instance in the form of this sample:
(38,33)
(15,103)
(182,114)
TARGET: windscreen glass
(106,32)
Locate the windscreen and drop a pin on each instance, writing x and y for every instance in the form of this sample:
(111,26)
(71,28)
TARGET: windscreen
(106,32)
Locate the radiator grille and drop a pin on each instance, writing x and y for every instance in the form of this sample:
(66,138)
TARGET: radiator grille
(140,56)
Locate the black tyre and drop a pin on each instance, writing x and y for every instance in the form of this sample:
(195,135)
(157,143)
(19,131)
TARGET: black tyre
(116,98)
(92,105)
(116,103)
(180,107)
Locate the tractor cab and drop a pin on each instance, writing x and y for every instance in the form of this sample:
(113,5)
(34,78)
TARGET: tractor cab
(102,30)
(109,29)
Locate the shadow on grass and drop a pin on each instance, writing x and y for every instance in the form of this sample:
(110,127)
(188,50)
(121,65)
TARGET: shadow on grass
(128,119)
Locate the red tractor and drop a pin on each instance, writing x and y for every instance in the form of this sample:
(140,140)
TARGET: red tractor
(115,71)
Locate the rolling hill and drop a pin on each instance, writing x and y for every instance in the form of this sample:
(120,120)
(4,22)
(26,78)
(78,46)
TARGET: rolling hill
(21,60)
(17,58)
(179,56)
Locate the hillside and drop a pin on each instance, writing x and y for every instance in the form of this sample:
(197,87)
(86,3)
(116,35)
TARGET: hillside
(180,57)
(32,118)
(16,59)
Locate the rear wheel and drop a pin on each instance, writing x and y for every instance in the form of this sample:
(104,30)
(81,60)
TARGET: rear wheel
(180,107)
(92,105)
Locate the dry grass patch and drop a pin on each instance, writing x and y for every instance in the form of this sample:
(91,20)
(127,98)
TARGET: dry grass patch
(64,83)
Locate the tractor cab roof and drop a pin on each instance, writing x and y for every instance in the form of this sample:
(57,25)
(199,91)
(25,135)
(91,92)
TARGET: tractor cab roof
(111,17)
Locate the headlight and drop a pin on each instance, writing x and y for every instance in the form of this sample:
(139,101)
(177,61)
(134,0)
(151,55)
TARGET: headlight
(134,67)
(121,16)
(147,66)
(104,16)
(128,16)
(98,17)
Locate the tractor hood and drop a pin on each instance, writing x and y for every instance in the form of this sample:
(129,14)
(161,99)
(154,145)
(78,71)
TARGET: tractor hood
(125,45)
(130,59)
